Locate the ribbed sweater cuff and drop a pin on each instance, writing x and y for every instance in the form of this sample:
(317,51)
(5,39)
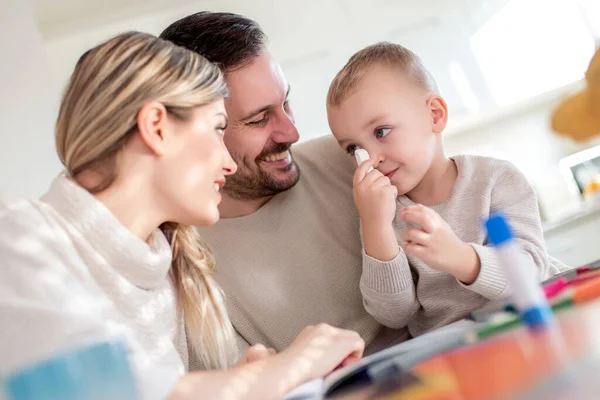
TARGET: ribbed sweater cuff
(491,282)
(392,276)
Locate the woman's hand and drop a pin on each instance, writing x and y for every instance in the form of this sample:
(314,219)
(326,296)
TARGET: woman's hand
(320,349)
(316,352)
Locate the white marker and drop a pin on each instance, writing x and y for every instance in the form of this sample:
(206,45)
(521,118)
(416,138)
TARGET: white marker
(361,156)
(527,293)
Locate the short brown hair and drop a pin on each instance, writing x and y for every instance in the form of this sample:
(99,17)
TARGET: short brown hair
(386,53)
(229,40)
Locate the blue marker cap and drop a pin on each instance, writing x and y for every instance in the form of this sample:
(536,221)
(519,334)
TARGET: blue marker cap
(537,317)
(498,230)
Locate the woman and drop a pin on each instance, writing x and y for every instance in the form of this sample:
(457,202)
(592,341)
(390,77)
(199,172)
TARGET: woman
(109,251)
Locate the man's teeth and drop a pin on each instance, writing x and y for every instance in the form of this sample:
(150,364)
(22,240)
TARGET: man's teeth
(217,187)
(277,157)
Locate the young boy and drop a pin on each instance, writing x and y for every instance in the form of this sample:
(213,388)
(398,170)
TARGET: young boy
(425,259)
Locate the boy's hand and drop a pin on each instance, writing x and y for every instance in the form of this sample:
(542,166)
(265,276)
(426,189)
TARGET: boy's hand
(374,196)
(436,244)
(375,199)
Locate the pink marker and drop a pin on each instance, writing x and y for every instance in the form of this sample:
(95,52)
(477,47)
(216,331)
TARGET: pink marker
(555,287)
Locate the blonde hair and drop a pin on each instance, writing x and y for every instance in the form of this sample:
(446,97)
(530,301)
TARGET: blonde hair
(98,114)
(383,53)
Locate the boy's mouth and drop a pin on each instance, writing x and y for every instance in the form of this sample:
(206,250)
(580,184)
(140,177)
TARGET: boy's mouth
(391,173)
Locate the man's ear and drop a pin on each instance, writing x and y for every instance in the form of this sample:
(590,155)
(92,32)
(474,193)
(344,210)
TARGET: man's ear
(151,122)
(438,111)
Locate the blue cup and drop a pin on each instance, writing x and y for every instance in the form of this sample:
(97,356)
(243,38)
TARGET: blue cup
(99,371)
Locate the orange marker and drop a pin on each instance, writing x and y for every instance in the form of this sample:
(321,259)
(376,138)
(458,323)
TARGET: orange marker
(586,291)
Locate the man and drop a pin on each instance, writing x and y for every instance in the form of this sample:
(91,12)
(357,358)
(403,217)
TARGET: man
(287,247)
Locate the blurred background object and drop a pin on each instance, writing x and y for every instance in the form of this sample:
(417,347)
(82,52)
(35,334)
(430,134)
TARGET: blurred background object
(579,115)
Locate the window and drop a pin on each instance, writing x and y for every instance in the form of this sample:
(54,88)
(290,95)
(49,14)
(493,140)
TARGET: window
(530,47)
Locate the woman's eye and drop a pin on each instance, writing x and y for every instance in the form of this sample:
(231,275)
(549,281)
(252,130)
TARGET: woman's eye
(351,149)
(221,129)
(381,132)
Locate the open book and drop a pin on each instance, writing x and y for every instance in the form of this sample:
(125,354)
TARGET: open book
(380,365)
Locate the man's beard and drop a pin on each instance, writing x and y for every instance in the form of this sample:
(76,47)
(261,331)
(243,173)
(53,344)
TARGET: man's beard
(251,182)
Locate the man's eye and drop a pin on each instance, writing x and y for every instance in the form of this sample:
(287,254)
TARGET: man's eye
(260,122)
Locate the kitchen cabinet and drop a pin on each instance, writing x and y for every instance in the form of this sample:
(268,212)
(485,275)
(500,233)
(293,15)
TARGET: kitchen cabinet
(575,239)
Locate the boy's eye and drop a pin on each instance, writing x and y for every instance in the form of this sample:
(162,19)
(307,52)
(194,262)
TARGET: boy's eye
(381,132)
(351,149)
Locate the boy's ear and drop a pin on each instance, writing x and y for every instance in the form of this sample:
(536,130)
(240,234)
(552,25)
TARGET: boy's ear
(438,111)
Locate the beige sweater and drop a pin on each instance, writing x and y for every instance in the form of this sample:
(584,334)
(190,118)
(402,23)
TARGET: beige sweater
(297,260)
(71,274)
(405,293)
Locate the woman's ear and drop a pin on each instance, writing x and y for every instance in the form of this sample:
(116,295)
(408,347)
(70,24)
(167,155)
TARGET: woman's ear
(438,111)
(151,123)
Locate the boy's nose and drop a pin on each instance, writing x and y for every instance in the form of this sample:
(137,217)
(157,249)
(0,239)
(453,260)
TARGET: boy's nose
(378,158)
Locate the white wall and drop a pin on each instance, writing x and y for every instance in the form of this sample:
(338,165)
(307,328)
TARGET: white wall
(312,39)
(525,139)
(27,101)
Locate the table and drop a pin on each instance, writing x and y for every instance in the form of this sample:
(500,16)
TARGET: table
(561,362)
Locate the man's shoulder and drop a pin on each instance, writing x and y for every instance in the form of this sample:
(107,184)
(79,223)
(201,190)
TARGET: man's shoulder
(320,144)
(322,148)
(323,155)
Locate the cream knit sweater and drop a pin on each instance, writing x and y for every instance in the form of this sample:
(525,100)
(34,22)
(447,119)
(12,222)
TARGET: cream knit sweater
(71,274)
(405,293)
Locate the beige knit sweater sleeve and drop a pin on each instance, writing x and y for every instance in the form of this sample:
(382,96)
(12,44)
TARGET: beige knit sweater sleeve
(388,290)
(514,196)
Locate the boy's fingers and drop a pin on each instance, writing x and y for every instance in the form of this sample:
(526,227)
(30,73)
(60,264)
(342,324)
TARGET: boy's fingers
(393,190)
(415,250)
(362,171)
(382,181)
(415,236)
(417,215)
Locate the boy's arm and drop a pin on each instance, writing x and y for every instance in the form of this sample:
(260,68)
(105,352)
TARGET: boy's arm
(387,287)
(513,195)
